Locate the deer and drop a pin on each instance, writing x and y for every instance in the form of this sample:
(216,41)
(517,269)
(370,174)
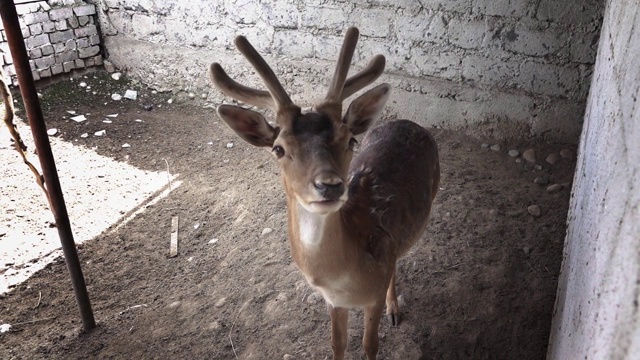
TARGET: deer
(349,218)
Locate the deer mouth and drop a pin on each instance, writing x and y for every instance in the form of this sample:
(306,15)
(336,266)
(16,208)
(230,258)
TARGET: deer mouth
(323,206)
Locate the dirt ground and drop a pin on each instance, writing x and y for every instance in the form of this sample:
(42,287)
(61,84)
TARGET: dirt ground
(479,285)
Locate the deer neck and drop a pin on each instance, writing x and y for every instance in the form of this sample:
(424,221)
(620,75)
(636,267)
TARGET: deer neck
(312,233)
(319,245)
(315,231)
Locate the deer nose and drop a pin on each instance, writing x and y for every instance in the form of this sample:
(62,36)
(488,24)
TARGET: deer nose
(331,188)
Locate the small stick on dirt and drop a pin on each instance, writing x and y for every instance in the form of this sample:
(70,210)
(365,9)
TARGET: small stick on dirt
(33,321)
(39,299)
(232,347)
(173,249)
(168,174)
(452,266)
(233,325)
(532,269)
(231,330)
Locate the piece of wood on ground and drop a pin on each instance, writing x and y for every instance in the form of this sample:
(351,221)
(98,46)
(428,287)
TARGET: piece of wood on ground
(173,249)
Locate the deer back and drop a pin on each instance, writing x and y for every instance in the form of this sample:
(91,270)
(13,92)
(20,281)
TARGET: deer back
(394,180)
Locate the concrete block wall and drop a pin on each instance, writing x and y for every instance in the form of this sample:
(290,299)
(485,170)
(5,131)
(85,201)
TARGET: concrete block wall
(597,313)
(439,52)
(60,36)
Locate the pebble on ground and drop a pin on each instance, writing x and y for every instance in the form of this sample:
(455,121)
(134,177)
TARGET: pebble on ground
(535,211)
(529,155)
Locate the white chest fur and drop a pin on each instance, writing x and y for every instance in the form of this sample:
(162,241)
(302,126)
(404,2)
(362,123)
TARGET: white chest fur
(336,287)
(311,227)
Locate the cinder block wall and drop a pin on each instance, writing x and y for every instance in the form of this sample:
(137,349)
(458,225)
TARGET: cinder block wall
(60,35)
(597,312)
(521,66)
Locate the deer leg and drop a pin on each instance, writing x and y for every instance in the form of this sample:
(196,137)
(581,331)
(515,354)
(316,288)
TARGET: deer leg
(393,311)
(339,319)
(372,315)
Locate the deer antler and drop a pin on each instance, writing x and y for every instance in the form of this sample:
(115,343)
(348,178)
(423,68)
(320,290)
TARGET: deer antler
(276,98)
(229,87)
(270,79)
(364,77)
(342,67)
(340,89)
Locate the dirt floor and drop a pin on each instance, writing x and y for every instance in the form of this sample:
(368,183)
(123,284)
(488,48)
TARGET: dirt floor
(479,285)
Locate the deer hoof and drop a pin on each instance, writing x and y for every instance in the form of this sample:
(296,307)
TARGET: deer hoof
(394,319)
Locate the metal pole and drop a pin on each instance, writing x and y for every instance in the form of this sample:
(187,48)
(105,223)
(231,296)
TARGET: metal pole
(39,130)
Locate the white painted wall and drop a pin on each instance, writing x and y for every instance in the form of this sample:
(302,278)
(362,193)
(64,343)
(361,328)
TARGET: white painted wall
(522,66)
(597,314)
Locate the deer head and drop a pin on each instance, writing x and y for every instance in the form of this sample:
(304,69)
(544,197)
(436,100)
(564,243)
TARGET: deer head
(314,149)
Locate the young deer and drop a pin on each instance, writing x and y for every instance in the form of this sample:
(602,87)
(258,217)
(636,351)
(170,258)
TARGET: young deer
(348,225)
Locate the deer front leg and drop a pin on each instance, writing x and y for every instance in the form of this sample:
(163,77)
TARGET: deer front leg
(339,320)
(372,315)
(393,310)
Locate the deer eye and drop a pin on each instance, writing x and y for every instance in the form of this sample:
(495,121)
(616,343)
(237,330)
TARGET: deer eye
(278,151)
(352,143)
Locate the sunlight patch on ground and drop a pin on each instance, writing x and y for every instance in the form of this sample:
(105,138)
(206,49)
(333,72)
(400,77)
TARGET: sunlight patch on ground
(98,191)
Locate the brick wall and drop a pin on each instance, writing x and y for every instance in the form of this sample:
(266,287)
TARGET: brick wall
(60,35)
(536,54)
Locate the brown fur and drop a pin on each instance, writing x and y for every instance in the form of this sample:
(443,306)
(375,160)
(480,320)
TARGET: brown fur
(348,223)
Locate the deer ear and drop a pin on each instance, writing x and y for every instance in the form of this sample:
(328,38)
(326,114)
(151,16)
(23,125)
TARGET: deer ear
(365,109)
(251,126)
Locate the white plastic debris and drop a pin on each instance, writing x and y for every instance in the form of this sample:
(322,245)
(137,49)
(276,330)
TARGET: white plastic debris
(229,145)
(131,94)
(138,120)
(72,112)
(52,132)
(107,121)
(213,241)
(83,84)
(116,76)
(100,133)
(196,226)
(79,118)
(116,97)
(170,101)
(126,145)
(112,115)
(84,135)
(132,307)
(5,328)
